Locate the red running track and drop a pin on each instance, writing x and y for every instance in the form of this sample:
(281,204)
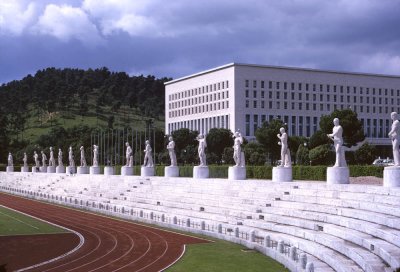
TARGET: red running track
(110,245)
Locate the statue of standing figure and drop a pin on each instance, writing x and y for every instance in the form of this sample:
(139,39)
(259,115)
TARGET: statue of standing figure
(95,155)
(44,159)
(238,154)
(286,160)
(128,155)
(202,149)
(394,136)
(337,138)
(25,160)
(60,159)
(10,159)
(171,151)
(52,161)
(83,159)
(148,159)
(71,157)
(36,159)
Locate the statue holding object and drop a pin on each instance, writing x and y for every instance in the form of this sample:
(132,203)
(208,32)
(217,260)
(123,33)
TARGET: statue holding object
(337,137)
(285,152)
(238,154)
(148,159)
(202,149)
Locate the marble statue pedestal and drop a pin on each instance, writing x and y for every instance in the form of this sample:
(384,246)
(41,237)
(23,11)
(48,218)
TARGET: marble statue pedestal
(237,173)
(282,174)
(70,170)
(94,170)
(24,169)
(43,169)
(10,169)
(51,169)
(126,171)
(147,171)
(337,175)
(171,171)
(109,170)
(82,170)
(391,176)
(60,169)
(201,172)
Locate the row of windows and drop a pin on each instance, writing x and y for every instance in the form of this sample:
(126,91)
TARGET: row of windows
(199,109)
(308,125)
(203,125)
(278,105)
(199,100)
(200,90)
(322,88)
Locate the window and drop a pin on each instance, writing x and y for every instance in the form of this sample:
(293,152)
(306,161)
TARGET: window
(262,83)
(270,104)
(277,85)
(254,94)
(285,95)
(255,124)
(270,84)
(247,103)
(307,86)
(247,124)
(300,106)
(285,85)
(255,104)
(292,86)
(254,83)
(278,94)
(262,94)
(299,86)
(247,83)
(270,95)
(262,104)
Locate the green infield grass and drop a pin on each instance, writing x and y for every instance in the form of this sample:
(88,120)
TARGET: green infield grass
(15,223)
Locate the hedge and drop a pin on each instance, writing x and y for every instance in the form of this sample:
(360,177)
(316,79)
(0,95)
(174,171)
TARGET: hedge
(300,172)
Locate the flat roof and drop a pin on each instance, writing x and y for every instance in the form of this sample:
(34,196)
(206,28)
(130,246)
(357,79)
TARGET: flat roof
(276,67)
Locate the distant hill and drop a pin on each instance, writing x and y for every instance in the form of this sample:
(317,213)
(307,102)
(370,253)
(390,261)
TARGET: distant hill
(70,98)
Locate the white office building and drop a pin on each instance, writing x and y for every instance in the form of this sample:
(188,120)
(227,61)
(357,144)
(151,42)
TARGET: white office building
(242,96)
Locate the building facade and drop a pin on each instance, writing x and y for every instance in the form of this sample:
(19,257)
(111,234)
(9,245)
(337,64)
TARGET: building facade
(242,96)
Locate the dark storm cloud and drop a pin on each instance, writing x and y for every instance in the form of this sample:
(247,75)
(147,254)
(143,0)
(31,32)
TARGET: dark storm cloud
(181,37)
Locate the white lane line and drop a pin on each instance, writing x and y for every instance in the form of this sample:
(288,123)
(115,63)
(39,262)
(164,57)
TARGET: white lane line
(16,219)
(174,262)
(81,241)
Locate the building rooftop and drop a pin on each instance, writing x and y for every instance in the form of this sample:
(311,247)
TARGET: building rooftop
(278,67)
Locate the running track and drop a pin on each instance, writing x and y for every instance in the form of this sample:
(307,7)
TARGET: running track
(110,245)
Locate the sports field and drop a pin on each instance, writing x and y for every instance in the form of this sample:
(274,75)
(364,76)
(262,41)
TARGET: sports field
(16,223)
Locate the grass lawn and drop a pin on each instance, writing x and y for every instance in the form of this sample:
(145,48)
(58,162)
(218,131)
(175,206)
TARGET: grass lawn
(15,223)
(224,256)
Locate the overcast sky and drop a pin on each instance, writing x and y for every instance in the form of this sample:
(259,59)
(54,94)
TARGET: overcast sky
(175,38)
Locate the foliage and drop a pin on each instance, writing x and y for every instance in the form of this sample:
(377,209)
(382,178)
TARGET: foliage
(227,156)
(217,140)
(353,131)
(350,157)
(185,145)
(322,155)
(254,153)
(266,136)
(319,138)
(302,155)
(365,154)
(294,142)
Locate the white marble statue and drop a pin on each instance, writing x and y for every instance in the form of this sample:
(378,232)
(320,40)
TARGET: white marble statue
(238,155)
(44,159)
(60,159)
(148,159)
(394,135)
(171,151)
(95,155)
(36,159)
(83,158)
(10,160)
(285,152)
(202,149)
(52,161)
(25,160)
(128,155)
(71,157)
(337,137)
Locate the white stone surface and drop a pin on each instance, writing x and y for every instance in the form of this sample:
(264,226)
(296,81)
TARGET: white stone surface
(337,175)
(236,173)
(83,170)
(24,169)
(391,176)
(282,174)
(35,169)
(51,169)
(94,170)
(60,169)
(126,171)
(43,169)
(70,170)
(171,171)
(10,169)
(201,172)
(109,170)
(146,171)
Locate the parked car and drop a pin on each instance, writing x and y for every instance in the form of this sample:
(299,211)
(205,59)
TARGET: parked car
(383,162)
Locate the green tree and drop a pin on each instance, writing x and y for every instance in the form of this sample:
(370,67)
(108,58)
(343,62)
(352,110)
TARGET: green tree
(294,142)
(266,136)
(365,154)
(322,155)
(318,138)
(185,143)
(254,153)
(302,155)
(353,131)
(227,156)
(217,140)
